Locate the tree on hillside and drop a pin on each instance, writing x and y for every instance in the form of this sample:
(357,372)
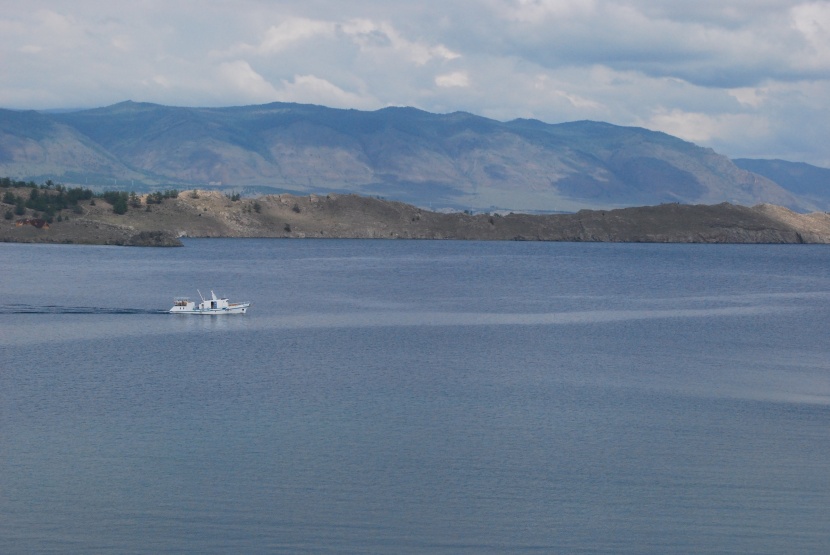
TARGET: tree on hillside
(120,205)
(118,200)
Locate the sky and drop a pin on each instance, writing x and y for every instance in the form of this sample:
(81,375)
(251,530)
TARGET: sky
(748,78)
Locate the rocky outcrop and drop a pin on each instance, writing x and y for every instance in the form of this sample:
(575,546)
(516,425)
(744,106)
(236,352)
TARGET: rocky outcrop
(153,239)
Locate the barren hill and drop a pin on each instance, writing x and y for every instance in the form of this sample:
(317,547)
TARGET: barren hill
(435,161)
(211,214)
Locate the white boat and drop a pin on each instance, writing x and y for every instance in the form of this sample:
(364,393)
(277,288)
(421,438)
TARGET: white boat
(213,305)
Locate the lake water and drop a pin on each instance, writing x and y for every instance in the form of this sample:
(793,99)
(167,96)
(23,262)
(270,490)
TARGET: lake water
(416,397)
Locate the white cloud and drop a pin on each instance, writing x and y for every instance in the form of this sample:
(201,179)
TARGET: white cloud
(537,11)
(373,36)
(701,128)
(309,89)
(56,23)
(121,43)
(546,85)
(368,35)
(752,97)
(289,33)
(812,21)
(161,81)
(239,76)
(455,79)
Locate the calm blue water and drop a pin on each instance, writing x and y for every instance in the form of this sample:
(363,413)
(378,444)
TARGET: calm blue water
(416,397)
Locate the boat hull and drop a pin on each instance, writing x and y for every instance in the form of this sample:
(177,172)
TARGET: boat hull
(232,309)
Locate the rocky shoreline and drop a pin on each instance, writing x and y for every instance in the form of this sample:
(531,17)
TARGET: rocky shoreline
(212,214)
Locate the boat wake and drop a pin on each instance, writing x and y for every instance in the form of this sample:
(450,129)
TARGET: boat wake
(55,309)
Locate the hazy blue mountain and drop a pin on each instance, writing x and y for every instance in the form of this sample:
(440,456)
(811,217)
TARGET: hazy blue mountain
(806,181)
(456,160)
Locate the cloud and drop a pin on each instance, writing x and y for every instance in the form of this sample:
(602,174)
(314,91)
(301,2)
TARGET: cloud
(382,37)
(368,35)
(698,127)
(310,89)
(752,97)
(292,31)
(455,79)
(812,21)
(538,11)
(705,45)
(239,76)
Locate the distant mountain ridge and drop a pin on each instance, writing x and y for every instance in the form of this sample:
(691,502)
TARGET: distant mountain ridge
(456,160)
(808,182)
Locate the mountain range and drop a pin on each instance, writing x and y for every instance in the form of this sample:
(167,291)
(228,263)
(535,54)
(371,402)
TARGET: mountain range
(455,161)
